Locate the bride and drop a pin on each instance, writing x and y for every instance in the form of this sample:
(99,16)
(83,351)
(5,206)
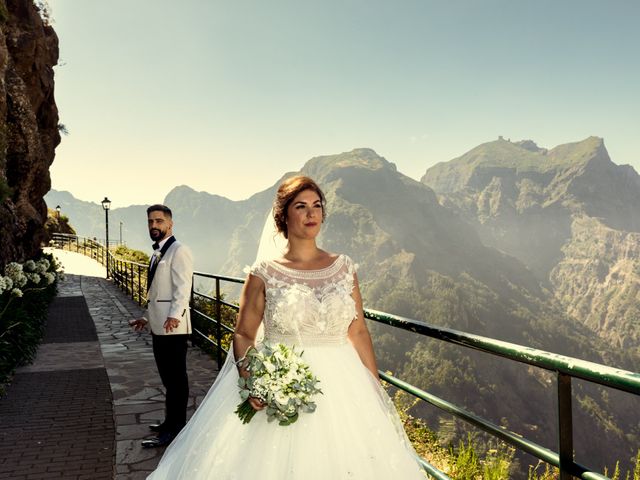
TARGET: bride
(309,298)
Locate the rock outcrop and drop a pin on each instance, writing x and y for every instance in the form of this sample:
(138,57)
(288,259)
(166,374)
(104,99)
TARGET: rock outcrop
(28,126)
(570,214)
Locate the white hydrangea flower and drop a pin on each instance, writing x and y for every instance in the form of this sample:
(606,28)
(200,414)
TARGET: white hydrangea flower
(16,292)
(43,265)
(8,283)
(50,277)
(30,265)
(20,280)
(13,269)
(33,278)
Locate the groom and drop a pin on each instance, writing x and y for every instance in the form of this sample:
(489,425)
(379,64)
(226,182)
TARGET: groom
(168,292)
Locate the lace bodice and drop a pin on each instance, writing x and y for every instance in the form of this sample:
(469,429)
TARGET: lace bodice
(307,307)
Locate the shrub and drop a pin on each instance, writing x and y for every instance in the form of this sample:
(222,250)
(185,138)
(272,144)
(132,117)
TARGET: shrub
(26,290)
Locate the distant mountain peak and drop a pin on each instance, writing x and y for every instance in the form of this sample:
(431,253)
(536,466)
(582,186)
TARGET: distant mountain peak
(531,146)
(177,194)
(182,188)
(522,157)
(366,158)
(585,151)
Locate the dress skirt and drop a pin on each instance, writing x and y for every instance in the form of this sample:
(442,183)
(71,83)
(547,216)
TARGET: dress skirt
(355,432)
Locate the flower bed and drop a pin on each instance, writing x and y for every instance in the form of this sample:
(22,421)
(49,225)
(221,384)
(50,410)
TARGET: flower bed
(26,290)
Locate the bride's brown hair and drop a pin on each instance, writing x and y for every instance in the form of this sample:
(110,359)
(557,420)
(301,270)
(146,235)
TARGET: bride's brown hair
(287,191)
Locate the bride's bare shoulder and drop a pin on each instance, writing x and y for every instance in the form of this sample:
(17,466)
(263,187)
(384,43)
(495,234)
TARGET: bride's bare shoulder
(328,256)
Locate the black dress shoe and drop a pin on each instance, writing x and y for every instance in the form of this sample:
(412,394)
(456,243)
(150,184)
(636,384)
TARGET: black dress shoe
(156,427)
(161,440)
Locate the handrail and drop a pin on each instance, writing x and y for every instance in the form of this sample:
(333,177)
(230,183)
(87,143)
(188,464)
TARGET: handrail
(583,369)
(565,367)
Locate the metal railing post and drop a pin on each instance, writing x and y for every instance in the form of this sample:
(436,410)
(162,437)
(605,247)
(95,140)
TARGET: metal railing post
(131,271)
(565,426)
(140,302)
(218,325)
(192,306)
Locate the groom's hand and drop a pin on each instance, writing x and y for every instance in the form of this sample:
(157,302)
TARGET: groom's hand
(170,324)
(138,324)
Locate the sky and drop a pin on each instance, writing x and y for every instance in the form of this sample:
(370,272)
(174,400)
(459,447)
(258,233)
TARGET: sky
(227,96)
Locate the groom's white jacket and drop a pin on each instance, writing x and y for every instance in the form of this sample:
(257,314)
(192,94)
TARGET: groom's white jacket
(170,291)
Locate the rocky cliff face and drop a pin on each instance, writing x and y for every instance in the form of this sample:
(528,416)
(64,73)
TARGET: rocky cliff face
(28,126)
(570,214)
(598,280)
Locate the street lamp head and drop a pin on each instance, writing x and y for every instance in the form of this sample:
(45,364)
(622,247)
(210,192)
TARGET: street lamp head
(106,203)
(58,208)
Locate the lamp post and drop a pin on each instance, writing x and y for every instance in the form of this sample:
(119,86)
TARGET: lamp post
(120,232)
(106,205)
(58,218)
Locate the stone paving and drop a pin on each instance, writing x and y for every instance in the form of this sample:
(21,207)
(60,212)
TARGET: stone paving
(57,417)
(136,394)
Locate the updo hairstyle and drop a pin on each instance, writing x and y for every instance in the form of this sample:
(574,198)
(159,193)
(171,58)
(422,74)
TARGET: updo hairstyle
(288,190)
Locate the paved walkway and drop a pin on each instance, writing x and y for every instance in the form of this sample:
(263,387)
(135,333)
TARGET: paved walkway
(82,408)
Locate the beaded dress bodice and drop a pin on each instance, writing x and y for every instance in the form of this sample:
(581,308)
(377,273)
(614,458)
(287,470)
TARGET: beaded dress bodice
(307,307)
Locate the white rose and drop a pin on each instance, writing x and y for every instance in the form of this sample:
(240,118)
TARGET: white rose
(281,398)
(269,367)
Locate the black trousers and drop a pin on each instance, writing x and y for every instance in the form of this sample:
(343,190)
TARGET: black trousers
(170,352)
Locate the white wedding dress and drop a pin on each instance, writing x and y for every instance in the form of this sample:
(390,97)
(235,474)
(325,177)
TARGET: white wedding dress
(355,432)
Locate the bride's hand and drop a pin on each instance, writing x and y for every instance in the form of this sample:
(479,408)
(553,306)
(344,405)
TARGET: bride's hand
(256,403)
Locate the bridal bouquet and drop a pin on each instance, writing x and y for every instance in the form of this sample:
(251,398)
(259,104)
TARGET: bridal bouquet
(279,378)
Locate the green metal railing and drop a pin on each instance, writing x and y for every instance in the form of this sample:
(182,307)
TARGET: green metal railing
(131,277)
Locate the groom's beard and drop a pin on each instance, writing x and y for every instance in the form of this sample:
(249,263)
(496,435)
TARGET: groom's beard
(157,235)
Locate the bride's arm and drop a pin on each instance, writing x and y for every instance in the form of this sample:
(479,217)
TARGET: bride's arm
(359,333)
(249,318)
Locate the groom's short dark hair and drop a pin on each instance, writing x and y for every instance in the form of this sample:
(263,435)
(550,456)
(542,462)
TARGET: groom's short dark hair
(160,208)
